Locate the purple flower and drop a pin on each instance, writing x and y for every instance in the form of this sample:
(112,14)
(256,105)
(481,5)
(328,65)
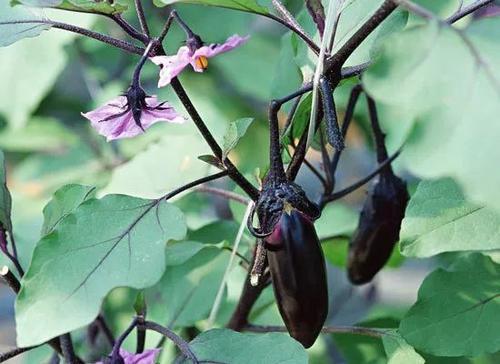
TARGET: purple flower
(194,54)
(146,357)
(130,115)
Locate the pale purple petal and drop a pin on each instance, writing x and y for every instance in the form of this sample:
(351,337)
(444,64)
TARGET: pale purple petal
(124,126)
(488,11)
(147,357)
(215,49)
(155,114)
(171,66)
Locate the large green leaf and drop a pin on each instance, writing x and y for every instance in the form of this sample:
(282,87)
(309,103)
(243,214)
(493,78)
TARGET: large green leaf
(398,351)
(5,199)
(250,6)
(457,311)
(226,346)
(439,219)
(443,85)
(10,32)
(65,201)
(107,243)
(86,6)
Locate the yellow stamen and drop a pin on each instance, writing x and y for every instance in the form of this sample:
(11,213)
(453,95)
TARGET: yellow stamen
(202,62)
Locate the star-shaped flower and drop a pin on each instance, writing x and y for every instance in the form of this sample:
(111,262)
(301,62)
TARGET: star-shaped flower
(130,115)
(194,53)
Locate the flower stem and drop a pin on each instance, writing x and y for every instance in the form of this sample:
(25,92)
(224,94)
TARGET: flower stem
(467,10)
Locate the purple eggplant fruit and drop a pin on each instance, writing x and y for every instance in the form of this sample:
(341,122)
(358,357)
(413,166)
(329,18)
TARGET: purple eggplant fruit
(378,228)
(297,267)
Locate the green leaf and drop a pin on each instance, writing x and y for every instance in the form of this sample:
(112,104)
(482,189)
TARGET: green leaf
(235,132)
(85,6)
(358,349)
(178,252)
(41,134)
(64,202)
(5,199)
(457,311)
(227,346)
(186,292)
(449,117)
(250,6)
(25,90)
(398,351)
(439,219)
(148,176)
(212,160)
(105,243)
(336,219)
(10,32)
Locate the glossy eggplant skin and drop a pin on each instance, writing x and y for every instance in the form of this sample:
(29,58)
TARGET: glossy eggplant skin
(378,228)
(297,267)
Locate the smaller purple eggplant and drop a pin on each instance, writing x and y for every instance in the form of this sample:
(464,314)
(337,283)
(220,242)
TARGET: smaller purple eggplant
(378,228)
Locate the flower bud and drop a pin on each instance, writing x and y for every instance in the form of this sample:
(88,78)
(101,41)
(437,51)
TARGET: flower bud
(298,274)
(378,229)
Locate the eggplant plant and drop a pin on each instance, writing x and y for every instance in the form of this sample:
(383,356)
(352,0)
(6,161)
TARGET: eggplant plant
(138,226)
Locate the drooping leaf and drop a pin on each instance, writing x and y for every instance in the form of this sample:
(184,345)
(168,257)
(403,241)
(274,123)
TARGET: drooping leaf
(250,6)
(457,311)
(227,346)
(398,351)
(5,199)
(11,30)
(235,132)
(86,6)
(449,117)
(64,201)
(105,243)
(439,219)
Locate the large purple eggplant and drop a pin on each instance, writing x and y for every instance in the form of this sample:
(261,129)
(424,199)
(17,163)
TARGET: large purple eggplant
(298,274)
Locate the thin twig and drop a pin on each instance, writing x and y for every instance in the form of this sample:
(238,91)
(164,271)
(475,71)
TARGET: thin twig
(10,279)
(67,349)
(366,331)
(339,58)
(232,171)
(118,43)
(229,195)
(194,183)
(142,18)
(183,345)
(338,195)
(129,29)
(236,244)
(463,12)
(15,352)
(105,329)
